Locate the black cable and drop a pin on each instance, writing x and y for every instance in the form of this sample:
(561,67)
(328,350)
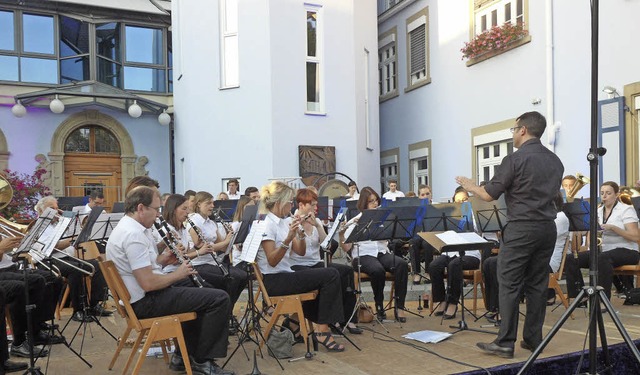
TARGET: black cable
(422,349)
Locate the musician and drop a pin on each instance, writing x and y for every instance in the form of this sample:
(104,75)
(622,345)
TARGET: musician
(567,182)
(454,265)
(280,240)
(620,235)
(314,233)
(253,193)
(393,193)
(222,196)
(141,181)
(11,294)
(96,198)
(375,259)
(70,267)
(44,287)
(353,194)
(530,179)
(243,202)
(133,251)
(191,196)
(213,244)
(420,249)
(232,189)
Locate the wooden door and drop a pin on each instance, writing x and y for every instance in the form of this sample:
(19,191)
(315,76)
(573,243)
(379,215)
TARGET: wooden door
(84,173)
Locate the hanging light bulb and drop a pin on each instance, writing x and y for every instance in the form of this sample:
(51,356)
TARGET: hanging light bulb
(164,118)
(134,110)
(56,105)
(18,109)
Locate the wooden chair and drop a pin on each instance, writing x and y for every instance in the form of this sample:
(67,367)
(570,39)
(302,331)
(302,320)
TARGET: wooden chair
(555,277)
(628,270)
(475,276)
(287,304)
(388,276)
(158,329)
(90,252)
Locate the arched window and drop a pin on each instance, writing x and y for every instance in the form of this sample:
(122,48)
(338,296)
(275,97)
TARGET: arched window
(92,140)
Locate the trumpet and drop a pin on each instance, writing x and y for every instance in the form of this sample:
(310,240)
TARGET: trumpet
(581,181)
(225,271)
(170,241)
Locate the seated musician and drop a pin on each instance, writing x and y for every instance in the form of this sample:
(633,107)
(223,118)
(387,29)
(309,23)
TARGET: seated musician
(375,259)
(620,235)
(132,249)
(70,267)
(280,240)
(314,233)
(454,265)
(208,250)
(420,249)
(243,202)
(12,295)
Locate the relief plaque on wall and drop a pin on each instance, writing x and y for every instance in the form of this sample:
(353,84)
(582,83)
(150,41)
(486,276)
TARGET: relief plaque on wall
(315,161)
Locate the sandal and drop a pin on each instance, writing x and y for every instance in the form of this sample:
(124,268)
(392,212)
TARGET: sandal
(289,323)
(328,342)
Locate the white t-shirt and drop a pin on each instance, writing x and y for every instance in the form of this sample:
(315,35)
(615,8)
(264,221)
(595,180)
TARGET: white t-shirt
(235,196)
(276,229)
(312,255)
(209,231)
(185,239)
(391,196)
(131,247)
(620,215)
(562,228)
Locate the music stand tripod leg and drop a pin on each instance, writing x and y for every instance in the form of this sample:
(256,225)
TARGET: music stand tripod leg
(462,324)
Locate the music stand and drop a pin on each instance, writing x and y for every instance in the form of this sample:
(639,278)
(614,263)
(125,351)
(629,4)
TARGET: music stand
(225,209)
(578,214)
(490,216)
(323,208)
(369,224)
(351,205)
(636,204)
(117,207)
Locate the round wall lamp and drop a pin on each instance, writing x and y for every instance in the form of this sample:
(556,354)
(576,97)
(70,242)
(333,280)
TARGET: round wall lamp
(56,105)
(18,109)
(164,118)
(134,110)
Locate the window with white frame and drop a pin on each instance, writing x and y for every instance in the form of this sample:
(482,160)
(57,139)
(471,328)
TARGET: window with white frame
(419,159)
(388,169)
(314,59)
(387,64)
(418,49)
(490,156)
(229,49)
(495,13)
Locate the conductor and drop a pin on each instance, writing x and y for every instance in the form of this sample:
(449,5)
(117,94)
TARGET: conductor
(530,179)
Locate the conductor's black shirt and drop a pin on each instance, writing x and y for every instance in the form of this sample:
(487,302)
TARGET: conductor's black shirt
(530,179)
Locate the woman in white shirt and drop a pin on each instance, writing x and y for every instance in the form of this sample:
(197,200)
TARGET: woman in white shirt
(620,235)
(375,259)
(283,238)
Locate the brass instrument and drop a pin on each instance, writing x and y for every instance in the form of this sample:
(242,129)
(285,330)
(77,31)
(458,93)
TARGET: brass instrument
(162,227)
(225,271)
(7,227)
(581,181)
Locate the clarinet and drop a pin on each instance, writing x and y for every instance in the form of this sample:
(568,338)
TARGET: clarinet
(172,247)
(225,271)
(218,219)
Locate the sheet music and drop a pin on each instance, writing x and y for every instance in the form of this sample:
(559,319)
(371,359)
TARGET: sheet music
(428,336)
(334,228)
(60,228)
(452,238)
(252,242)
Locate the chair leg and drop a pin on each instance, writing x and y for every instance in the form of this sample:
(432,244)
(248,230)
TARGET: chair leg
(134,349)
(123,341)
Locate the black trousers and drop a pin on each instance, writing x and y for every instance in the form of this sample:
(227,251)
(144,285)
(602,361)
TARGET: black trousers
(420,250)
(322,310)
(376,267)
(12,293)
(213,275)
(76,284)
(206,337)
(607,261)
(346,286)
(523,265)
(454,267)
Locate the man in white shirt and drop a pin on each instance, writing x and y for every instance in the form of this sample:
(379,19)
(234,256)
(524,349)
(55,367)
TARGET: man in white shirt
(95,199)
(132,249)
(253,193)
(393,193)
(232,189)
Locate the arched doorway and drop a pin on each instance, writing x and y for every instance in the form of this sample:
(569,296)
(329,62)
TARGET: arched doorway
(92,162)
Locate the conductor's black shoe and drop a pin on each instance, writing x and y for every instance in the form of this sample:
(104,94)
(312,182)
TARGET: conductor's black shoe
(177,363)
(13,366)
(99,310)
(45,338)
(525,345)
(209,368)
(492,348)
(79,316)
(22,350)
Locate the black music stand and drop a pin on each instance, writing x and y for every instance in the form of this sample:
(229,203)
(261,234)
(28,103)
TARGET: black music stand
(117,207)
(636,204)
(490,216)
(224,209)
(351,205)
(370,223)
(323,208)
(578,214)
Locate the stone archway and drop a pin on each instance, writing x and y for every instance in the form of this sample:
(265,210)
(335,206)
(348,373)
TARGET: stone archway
(89,117)
(4,152)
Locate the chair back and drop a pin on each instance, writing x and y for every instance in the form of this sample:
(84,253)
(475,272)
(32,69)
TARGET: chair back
(263,289)
(90,251)
(120,293)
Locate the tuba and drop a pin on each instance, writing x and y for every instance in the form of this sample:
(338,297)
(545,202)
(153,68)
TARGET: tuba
(581,181)
(9,228)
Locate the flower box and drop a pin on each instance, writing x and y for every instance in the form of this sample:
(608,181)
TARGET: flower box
(494,41)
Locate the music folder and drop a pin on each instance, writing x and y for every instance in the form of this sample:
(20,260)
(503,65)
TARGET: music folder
(451,241)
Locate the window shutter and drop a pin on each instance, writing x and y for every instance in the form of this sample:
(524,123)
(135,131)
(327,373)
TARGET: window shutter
(418,49)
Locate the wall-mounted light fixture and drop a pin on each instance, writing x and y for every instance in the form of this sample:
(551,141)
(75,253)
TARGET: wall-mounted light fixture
(134,110)
(18,109)
(56,105)
(164,118)
(611,91)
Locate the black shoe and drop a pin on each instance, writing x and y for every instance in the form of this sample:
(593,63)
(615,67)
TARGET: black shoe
(525,345)
(45,338)
(22,350)
(452,316)
(355,330)
(176,363)
(551,301)
(492,348)
(380,313)
(582,304)
(99,310)
(48,326)
(209,368)
(79,316)
(13,366)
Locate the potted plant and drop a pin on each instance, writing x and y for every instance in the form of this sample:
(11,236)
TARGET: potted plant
(27,190)
(497,38)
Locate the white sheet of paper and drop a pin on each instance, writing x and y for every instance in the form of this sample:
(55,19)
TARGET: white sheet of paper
(251,244)
(428,336)
(452,238)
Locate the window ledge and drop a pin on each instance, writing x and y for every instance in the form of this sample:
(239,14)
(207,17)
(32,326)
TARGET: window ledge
(228,87)
(310,113)
(489,54)
(388,96)
(417,85)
